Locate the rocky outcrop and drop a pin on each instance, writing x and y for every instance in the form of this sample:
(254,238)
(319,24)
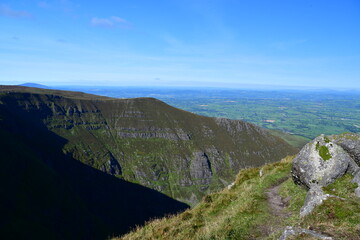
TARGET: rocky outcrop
(151,132)
(320,163)
(350,142)
(357,181)
(112,166)
(291,231)
(314,198)
(200,170)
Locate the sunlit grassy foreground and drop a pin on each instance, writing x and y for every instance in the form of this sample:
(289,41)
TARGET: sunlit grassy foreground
(243,212)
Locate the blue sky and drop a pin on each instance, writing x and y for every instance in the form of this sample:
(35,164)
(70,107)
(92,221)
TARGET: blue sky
(226,43)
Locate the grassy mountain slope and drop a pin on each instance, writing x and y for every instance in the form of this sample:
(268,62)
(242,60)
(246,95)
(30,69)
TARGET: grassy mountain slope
(146,141)
(294,140)
(246,210)
(46,194)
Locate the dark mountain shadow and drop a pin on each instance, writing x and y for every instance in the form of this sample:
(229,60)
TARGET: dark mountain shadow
(48,195)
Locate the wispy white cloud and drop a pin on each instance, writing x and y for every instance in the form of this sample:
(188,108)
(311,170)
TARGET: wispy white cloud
(43,4)
(66,6)
(8,12)
(61,40)
(110,22)
(182,47)
(118,19)
(102,22)
(284,45)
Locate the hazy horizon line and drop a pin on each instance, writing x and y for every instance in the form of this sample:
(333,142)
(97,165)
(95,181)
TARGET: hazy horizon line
(232,87)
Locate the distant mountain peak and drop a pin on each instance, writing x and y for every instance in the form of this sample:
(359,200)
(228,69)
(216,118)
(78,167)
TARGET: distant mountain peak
(34,85)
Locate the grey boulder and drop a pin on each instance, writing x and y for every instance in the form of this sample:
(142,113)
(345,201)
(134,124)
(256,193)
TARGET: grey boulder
(320,162)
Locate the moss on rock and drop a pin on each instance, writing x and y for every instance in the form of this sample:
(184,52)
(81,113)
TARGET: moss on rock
(324,153)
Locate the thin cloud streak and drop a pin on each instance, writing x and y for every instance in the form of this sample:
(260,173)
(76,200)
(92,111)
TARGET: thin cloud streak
(65,6)
(8,12)
(43,4)
(284,45)
(111,22)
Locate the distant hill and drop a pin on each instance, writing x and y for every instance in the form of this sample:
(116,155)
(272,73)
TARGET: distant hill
(34,85)
(146,141)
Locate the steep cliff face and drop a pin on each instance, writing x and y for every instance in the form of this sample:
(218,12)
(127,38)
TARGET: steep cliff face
(149,142)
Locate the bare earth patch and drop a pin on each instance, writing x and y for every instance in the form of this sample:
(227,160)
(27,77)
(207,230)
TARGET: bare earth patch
(276,202)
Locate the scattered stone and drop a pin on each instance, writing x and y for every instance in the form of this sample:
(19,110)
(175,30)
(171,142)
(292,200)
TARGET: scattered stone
(314,198)
(297,231)
(231,185)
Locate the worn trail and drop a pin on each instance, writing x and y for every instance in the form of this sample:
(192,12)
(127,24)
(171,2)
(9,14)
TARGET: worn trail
(277,206)
(276,202)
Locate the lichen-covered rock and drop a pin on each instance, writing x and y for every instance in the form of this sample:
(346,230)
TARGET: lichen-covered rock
(320,162)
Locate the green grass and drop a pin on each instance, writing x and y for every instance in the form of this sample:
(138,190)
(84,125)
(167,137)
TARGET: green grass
(242,212)
(229,214)
(343,187)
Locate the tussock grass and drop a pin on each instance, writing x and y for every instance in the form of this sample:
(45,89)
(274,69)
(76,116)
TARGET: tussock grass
(242,212)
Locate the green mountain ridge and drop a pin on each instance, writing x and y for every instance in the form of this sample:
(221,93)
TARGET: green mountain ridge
(146,141)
